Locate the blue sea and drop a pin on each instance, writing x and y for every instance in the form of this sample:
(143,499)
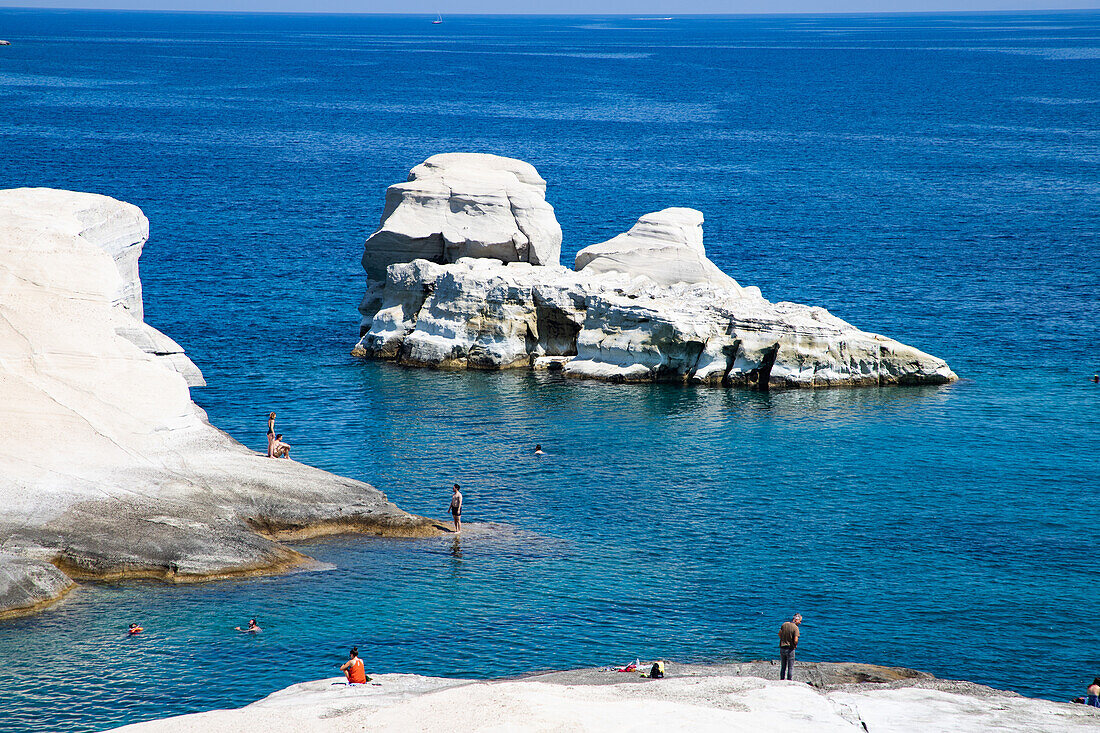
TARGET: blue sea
(932,177)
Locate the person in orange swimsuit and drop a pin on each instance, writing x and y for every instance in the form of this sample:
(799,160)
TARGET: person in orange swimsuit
(353,668)
(134,629)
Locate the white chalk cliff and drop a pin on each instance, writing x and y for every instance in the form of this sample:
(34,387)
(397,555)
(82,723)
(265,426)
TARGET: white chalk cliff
(108,468)
(647,305)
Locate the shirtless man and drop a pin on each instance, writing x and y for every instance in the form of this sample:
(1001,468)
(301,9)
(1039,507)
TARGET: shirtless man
(539,451)
(253,627)
(279,449)
(456,508)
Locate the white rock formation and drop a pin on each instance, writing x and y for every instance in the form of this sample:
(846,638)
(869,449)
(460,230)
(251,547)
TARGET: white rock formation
(480,314)
(108,467)
(713,702)
(117,228)
(665,246)
(460,292)
(465,205)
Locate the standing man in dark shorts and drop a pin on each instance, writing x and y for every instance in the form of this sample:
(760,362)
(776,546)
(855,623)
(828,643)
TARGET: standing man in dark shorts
(456,508)
(788,641)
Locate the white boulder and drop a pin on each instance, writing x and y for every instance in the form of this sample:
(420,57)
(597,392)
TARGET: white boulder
(458,205)
(666,246)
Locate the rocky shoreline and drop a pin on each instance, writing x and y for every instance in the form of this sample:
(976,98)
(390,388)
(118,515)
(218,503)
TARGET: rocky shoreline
(746,696)
(110,470)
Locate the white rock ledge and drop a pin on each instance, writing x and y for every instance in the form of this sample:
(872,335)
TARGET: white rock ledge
(645,306)
(108,468)
(712,699)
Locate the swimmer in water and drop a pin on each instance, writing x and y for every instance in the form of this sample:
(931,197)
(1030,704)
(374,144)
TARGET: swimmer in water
(456,508)
(253,627)
(353,668)
(134,629)
(538,450)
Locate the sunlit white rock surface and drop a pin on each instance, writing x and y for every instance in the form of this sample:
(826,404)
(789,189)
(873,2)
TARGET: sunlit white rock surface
(647,305)
(481,314)
(577,701)
(665,246)
(466,205)
(108,467)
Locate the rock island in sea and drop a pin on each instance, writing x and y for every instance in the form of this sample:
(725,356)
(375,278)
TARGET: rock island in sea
(463,273)
(109,470)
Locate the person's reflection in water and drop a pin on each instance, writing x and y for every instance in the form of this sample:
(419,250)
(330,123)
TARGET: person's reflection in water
(456,548)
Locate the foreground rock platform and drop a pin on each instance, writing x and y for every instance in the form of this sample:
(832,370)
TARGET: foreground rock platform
(645,306)
(856,698)
(109,470)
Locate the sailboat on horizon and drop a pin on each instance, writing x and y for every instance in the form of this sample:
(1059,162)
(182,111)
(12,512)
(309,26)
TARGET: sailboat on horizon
(438,19)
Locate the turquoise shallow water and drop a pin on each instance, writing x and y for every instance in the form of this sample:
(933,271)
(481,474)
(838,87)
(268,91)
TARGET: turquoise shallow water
(933,178)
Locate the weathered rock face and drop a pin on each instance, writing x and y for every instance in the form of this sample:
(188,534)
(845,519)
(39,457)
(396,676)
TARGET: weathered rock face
(108,468)
(665,246)
(480,314)
(647,305)
(465,205)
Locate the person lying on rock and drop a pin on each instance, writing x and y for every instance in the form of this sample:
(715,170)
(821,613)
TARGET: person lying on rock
(279,448)
(353,668)
(253,627)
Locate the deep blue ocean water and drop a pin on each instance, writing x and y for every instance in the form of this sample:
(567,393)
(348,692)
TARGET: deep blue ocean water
(932,177)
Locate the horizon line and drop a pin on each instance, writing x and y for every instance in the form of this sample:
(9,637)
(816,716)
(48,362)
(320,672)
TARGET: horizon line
(646,16)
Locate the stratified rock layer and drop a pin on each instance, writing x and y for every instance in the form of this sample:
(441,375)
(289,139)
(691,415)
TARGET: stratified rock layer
(647,305)
(465,205)
(108,468)
(480,314)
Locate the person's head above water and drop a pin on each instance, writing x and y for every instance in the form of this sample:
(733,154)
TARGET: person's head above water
(353,653)
(538,446)
(251,622)
(133,626)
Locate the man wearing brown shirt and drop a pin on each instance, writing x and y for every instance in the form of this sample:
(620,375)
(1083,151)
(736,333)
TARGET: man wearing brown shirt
(788,641)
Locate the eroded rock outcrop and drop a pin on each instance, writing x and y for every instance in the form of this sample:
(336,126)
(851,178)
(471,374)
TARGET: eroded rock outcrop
(458,205)
(108,468)
(665,246)
(647,305)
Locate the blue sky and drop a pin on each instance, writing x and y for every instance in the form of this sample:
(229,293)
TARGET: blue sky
(642,7)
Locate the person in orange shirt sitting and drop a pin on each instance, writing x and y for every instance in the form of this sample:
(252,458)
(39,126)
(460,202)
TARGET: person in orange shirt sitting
(353,668)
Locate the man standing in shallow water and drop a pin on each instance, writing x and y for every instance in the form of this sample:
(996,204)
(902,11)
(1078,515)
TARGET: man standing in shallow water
(788,641)
(456,508)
